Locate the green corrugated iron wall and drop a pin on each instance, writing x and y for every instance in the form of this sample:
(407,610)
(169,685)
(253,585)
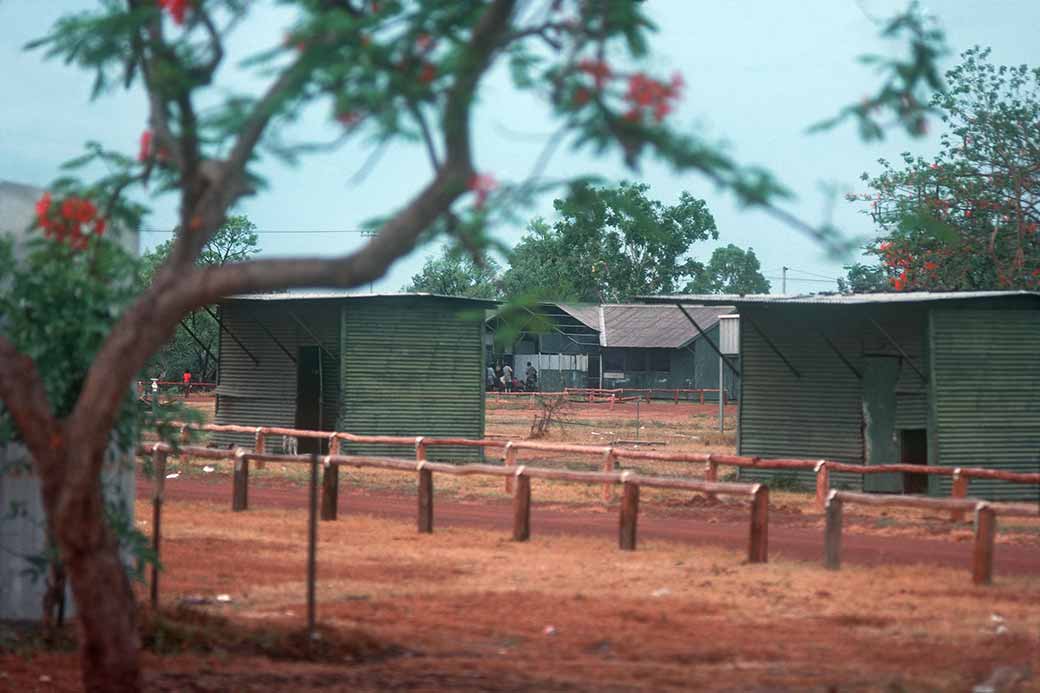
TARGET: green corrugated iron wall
(412,367)
(264,394)
(815,416)
(987,395)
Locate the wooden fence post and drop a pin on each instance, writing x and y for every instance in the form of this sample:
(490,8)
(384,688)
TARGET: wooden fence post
(240,482)
(711,475)
(609,465)
(985,533)
(159,469)
(832,532)
(510,461)
(425,499)
(312,550)
(330,483)
(823,484)
(522,507)
(629,517)
(758,544)
(958,489)
(258,445)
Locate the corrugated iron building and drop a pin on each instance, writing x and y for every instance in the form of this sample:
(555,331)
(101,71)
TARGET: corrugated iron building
(397,364)
(948,379)
(627,345)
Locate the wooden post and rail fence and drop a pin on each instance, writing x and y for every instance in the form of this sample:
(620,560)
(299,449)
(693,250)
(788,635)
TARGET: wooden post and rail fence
(610,456)
(518,482)
(985,523)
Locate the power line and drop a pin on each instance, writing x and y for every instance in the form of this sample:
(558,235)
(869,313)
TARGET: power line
(798,279)
(811,274)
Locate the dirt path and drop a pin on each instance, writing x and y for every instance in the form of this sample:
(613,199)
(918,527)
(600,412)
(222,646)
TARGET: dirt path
(696,526)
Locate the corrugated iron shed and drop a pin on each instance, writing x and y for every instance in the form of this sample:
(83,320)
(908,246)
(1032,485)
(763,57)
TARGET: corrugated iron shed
(943,378)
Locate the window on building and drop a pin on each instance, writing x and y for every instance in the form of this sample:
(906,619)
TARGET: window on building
(635,360)
(613,360)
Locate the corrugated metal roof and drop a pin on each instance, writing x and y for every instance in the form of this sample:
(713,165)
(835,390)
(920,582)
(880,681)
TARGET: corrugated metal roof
(839,299)
(587,314)
(655,326)
(346,294)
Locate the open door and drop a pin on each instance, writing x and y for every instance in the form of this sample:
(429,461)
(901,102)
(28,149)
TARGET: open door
(308,397)
(913,449)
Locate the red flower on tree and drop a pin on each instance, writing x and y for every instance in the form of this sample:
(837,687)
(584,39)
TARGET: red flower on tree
(482,184)
(67,223)
(146,146)
(176,8)
(597,69)
(648,94)
(427,73)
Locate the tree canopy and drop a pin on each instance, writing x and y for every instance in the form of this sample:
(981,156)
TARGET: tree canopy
(456,273)
(731,270)
(968,218)
(610,244)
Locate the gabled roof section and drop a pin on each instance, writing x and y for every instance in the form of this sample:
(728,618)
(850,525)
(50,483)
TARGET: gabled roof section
(585,313)
(655,326)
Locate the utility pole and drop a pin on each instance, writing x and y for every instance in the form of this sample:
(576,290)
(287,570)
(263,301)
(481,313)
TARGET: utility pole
(368,233)
(783,280)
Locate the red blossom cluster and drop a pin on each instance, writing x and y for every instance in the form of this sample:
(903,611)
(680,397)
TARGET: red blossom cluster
(145,150)
(482,184)
(427,73)
(599,70)
(910,268)
(648,94)
(72,221)
(177,9)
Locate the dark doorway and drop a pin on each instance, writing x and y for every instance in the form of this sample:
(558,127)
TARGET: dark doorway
(592,378)
(913,449)
(308,397)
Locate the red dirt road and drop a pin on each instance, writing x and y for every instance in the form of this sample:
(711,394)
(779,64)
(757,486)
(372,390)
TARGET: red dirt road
(724,526)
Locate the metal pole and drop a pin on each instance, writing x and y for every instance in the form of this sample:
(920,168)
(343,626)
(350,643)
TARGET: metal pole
(312,548)
(722,405)
(783,280)
(637,418)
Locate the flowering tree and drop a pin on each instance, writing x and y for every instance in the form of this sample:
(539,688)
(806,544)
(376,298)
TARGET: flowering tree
(388,71)
(970,218)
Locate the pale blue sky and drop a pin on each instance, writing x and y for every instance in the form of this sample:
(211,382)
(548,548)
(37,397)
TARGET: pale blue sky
(758,72)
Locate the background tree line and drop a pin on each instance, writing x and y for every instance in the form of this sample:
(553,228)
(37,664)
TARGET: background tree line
(606,245)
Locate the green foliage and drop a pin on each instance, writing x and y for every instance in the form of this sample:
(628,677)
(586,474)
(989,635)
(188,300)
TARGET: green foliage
(731,270)
(609,245)
(908,81)
(455,273)
(970,218)
(57,306)
(864,279)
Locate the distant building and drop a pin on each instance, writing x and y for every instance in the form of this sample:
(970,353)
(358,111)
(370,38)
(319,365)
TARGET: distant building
(621,345)
(949,379)
(377,364)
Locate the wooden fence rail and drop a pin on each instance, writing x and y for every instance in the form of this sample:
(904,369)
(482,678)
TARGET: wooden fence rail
(985,523)
(609,457)
(757,493)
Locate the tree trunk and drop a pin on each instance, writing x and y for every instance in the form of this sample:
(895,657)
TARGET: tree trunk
(104,599)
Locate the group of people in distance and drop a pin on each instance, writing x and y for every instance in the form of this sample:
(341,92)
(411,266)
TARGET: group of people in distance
(502,379)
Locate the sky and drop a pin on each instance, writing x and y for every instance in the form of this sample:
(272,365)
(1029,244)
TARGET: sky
(757,74)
